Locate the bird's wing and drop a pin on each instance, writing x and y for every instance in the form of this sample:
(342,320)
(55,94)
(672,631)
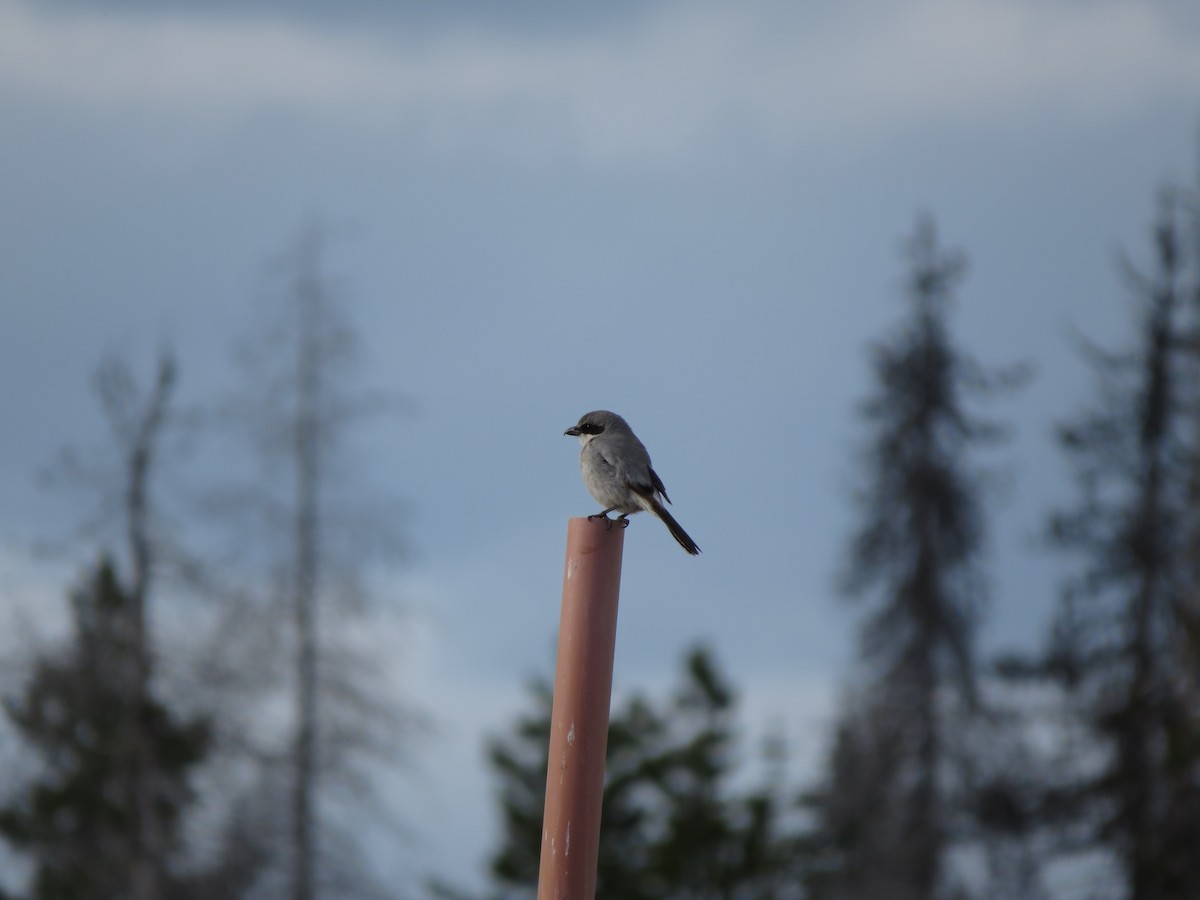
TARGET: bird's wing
(629,464)
(656,482)
(602,460)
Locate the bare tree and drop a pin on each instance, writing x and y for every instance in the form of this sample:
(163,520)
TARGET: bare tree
(298,403)
(127,521)
(139,429)
(137,425)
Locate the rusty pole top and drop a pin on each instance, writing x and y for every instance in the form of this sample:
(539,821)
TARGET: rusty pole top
(579,721)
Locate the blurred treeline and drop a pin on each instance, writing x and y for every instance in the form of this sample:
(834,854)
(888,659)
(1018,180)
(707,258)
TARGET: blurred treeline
(1071,771)
(215,720)
(237,756)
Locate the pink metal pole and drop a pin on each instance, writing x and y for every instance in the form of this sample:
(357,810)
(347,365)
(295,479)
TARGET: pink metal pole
(579,721)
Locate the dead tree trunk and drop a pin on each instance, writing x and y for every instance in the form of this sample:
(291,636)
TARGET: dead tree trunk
(306,447)
(140,430)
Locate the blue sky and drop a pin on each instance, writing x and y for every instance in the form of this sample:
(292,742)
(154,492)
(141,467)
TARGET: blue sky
(688,212)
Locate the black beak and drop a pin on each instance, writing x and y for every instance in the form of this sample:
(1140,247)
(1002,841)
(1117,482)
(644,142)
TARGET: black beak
(573,431)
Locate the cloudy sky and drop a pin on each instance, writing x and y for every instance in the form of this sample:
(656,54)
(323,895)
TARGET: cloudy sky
(688,212)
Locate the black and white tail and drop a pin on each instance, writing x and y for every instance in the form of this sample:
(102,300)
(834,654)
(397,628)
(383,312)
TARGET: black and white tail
(677,532)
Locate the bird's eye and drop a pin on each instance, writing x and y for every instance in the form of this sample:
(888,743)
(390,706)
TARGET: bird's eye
(591,428)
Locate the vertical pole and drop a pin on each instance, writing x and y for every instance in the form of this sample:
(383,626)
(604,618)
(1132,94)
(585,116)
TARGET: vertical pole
(579,720)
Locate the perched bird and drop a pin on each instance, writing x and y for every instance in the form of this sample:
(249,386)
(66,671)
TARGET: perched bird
(617,472)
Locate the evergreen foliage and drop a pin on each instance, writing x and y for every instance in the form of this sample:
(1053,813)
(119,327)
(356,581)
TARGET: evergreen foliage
(76,820)
(674,824)
(885,818)
(1122,648)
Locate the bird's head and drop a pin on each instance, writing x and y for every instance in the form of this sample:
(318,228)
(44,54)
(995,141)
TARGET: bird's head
(594,423)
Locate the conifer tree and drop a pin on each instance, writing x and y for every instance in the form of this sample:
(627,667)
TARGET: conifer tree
(78,820)
(885,819)
(672,825)
(1122,648)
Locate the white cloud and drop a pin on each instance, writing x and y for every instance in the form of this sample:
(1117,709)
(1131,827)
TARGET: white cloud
(679,77)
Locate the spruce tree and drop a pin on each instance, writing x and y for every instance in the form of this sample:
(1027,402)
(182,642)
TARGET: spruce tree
(885,818)
(77,821)
(1123,644)
(672,825)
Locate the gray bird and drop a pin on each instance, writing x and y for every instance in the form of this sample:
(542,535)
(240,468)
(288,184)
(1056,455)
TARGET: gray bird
(617,472)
